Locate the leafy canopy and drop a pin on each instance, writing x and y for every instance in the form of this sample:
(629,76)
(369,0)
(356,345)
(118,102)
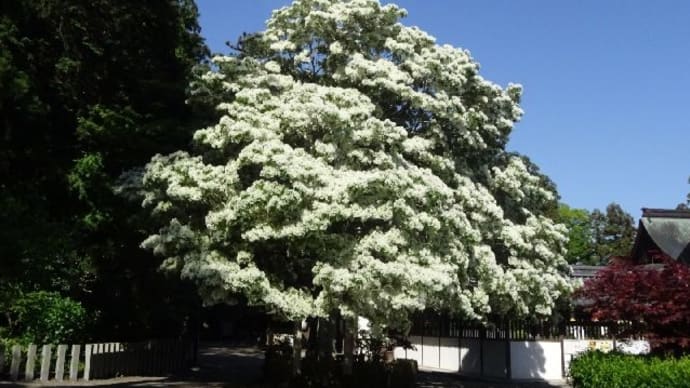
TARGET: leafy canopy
(89,89)
(594,237)
(357,166)
(654,297)
(613,231)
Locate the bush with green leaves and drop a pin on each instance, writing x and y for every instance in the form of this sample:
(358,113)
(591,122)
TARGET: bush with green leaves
(615,370)
(45,317)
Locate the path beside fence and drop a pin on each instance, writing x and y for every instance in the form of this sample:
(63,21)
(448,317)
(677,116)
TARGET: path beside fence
(51,363)
(233,366)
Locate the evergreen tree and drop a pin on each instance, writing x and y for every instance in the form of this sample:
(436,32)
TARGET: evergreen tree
(88,89)
(613,232)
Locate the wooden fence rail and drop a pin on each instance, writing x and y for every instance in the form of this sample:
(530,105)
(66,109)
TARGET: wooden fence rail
(95,361)
(430,324)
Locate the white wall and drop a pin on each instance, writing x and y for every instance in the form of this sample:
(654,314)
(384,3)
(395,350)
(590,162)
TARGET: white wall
(430,352)
(416,352)
(536,360)
(633,346)
(400,353)
(450,354)
(571,348)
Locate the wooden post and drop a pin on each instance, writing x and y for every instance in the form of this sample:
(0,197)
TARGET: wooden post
(147,358)
(16,360)
(165,356)
(46,354)
(142,351)
(109,364)
(158,357)
(60,362)
(88,351)
(30,362)
(349,345)
(104,364)
(509,361)
(482,339)
(153,358)
(96,361)
(74,362)
(2,359)
(297,350)
(93,361)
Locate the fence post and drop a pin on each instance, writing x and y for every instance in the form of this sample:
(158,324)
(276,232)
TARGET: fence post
(95,361)
(482,339)
(74,362)
(2,359)
(508,359)
(30,362)
(349,345)
(562,358)
(107,360)
(46,354)
(167,350)
(60,362)
(88,349)
(16,360)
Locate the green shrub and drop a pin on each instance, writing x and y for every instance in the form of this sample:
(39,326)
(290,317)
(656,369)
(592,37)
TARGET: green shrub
(45,317)
(615,370)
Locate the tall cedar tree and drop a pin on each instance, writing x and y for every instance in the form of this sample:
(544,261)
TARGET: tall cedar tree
(613,231)
(594,237)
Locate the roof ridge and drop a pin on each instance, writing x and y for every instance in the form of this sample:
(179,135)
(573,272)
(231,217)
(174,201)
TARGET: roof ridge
(667,213)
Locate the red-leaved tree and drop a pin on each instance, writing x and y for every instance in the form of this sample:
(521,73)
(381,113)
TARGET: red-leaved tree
(655,298)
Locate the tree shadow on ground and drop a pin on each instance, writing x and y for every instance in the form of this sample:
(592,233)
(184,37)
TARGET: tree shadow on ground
(450,380)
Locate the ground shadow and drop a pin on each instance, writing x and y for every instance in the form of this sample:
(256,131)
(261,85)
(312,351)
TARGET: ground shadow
(240,366)
(450,380)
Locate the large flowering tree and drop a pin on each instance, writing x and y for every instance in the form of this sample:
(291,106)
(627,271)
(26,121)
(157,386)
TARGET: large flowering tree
(357,166)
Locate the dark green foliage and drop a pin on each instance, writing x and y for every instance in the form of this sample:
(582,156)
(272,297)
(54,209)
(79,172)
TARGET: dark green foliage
(44,318)
(614,370)
(614,231)
(580,237)
(88,90)
(596,236)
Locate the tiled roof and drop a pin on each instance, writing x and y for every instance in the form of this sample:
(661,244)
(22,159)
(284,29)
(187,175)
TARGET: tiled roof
(668,230)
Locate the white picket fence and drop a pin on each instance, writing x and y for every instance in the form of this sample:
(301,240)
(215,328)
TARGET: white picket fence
(96,361)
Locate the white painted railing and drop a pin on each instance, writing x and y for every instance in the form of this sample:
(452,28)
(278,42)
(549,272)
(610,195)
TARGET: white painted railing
(96,361)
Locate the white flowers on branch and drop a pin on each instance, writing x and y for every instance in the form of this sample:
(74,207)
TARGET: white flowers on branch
(357,168)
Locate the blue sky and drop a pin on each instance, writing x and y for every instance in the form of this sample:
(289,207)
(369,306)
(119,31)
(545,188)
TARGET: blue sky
(607,84)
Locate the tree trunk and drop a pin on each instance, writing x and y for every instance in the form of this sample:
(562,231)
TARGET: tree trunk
(326,337)
(297,350)
(349,345)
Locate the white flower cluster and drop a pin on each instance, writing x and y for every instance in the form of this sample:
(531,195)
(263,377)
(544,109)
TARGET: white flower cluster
(352,183)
